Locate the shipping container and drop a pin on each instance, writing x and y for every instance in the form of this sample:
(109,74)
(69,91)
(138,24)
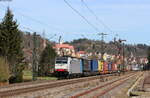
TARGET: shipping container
(105,67)
(113,67)
(100,66)
(86,65)
(110,66)
(94,65)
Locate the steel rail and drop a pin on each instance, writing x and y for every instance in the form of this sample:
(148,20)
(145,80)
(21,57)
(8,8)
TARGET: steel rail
(100,87)
(13,92)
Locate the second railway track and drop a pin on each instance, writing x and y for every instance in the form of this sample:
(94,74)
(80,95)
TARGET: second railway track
(31,88)
(105,88)
(18,91)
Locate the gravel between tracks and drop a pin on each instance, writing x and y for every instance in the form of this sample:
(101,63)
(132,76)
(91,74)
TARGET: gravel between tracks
(64,91)
(121,91)
(98,91)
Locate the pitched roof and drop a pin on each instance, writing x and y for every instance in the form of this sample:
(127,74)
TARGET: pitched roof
(64,46)
(81,52)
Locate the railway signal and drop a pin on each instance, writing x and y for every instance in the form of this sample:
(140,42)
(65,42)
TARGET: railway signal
(123,52)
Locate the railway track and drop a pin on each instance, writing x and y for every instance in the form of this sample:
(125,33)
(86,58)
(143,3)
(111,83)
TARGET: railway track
(26,89)
(25,84)
(103,89)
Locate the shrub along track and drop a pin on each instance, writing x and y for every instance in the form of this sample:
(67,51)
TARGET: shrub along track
(32,88)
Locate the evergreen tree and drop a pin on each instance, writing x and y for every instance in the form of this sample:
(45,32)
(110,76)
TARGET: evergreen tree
(10,45)
(47,58)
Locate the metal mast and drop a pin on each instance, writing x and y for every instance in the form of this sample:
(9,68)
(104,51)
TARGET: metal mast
(35,63)
(102,44)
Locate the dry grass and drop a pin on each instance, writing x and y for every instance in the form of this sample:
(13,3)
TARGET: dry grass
(27,76)
(4,70)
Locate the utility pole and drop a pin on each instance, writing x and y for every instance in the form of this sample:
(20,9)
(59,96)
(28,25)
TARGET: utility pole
(44,40)
(35,63)
(102,44)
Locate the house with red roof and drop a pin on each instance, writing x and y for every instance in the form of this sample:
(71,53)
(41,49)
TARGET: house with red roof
(65,50)
(81,54)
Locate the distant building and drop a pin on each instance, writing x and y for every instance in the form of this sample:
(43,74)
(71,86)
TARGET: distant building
(81,54)
(64,50)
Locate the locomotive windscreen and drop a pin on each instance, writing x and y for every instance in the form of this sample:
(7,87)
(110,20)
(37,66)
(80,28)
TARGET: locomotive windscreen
(61,60)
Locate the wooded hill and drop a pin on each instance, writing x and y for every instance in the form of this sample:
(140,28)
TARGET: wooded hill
(139,50)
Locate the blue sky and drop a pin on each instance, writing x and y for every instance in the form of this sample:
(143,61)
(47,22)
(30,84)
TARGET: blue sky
(128,18)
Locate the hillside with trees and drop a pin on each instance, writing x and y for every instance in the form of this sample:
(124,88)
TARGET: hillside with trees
(139,50)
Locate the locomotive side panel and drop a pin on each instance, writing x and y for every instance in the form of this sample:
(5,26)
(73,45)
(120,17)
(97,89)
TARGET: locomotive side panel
(74,66)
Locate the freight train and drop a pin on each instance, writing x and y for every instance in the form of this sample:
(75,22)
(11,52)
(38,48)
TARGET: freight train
(78,67)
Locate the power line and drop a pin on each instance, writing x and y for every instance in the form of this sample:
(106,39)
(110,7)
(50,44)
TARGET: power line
(52,36)
(28,29)
(38,32)
(37,21)
(81,16)
(97,18)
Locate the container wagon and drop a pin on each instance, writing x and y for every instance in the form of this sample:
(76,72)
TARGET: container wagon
(110,67)
(94,67)
(100,67)
(86,67)
(114,67)
(105,68)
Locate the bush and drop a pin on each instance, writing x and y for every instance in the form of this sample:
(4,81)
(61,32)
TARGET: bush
(16,79)
(4,70)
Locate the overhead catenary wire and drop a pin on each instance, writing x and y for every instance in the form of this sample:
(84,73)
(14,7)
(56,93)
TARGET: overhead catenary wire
(97,18)
(38,21)
(27,28)
(42,23)
(83,17)
(50,38)
(38,32)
